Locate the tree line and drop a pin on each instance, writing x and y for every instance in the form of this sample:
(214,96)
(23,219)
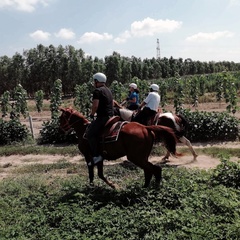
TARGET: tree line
(39,67)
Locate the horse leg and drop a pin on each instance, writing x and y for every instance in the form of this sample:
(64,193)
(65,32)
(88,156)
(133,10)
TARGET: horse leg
(151,170)
(148,176)
(91,174)
(185,141)
(90,168)
(166,157)
(101,176)
(157,171)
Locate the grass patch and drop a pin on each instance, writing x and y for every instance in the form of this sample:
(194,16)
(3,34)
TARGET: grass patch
(44,168)
(187,206)
(70,150)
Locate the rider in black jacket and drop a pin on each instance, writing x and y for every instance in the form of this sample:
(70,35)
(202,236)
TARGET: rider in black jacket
(102,106)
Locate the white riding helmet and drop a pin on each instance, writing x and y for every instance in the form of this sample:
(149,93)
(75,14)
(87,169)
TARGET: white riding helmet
(154,87)
(100,77)
(133,85)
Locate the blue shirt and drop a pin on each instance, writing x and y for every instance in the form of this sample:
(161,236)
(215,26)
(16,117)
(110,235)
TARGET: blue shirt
(131,97)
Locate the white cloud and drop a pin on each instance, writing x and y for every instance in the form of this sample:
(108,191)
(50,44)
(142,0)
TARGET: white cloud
(148,27)
(40,35)
(65,33)
(209,36)
(22,5)
(234,3)
(90,37)
(123,37)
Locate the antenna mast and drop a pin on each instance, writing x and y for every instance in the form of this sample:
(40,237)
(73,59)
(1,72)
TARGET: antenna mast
(158,49)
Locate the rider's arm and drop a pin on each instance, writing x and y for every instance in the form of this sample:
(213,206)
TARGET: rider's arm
(95,104)
(142,105)
(133,100)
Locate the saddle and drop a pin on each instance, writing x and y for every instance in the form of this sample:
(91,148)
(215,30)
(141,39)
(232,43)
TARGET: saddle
(110,131)
(126,114)
(154,119)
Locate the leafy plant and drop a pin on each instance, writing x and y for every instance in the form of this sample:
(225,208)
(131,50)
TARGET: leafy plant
(39,100)
(12,131)
(211,126)
(5,98)
(82,100)
(20,104)
(117,90)
(50,133)
(56,98)
(227,173)
(178,95)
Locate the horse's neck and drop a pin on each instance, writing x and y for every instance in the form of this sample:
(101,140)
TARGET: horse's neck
(80,129)
(118,105)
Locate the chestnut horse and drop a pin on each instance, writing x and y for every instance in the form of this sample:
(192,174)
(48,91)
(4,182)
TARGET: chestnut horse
(134,141)
(175,121)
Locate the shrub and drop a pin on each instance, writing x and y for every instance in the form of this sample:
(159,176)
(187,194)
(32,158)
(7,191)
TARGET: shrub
(50,133)
(227,173)
(12,131)
(211,126)
(39,100)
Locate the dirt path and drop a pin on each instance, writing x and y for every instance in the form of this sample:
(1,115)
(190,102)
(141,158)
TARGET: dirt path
(9,164)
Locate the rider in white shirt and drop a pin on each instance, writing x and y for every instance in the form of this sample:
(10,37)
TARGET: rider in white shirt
(150,104)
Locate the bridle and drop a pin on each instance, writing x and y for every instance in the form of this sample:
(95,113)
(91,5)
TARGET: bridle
(67,126)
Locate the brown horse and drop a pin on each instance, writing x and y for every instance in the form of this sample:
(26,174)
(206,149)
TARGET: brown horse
(177,122)
(134,141)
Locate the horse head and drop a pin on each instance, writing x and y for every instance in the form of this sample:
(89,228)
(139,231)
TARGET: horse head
(71,118)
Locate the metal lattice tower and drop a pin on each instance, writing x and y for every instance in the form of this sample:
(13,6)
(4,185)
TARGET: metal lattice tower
(158,49)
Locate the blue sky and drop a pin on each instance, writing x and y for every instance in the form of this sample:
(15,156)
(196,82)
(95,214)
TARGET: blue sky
(204,30)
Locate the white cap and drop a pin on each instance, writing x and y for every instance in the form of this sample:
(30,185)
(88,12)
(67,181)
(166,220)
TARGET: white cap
(154,87)
(133,85)
(100,77)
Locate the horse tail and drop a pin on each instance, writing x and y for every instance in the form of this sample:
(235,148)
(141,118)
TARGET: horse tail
(184,124)
(167,135)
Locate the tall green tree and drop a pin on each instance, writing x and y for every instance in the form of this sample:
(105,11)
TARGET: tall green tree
(56,99)
(4,78)
(113,68)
